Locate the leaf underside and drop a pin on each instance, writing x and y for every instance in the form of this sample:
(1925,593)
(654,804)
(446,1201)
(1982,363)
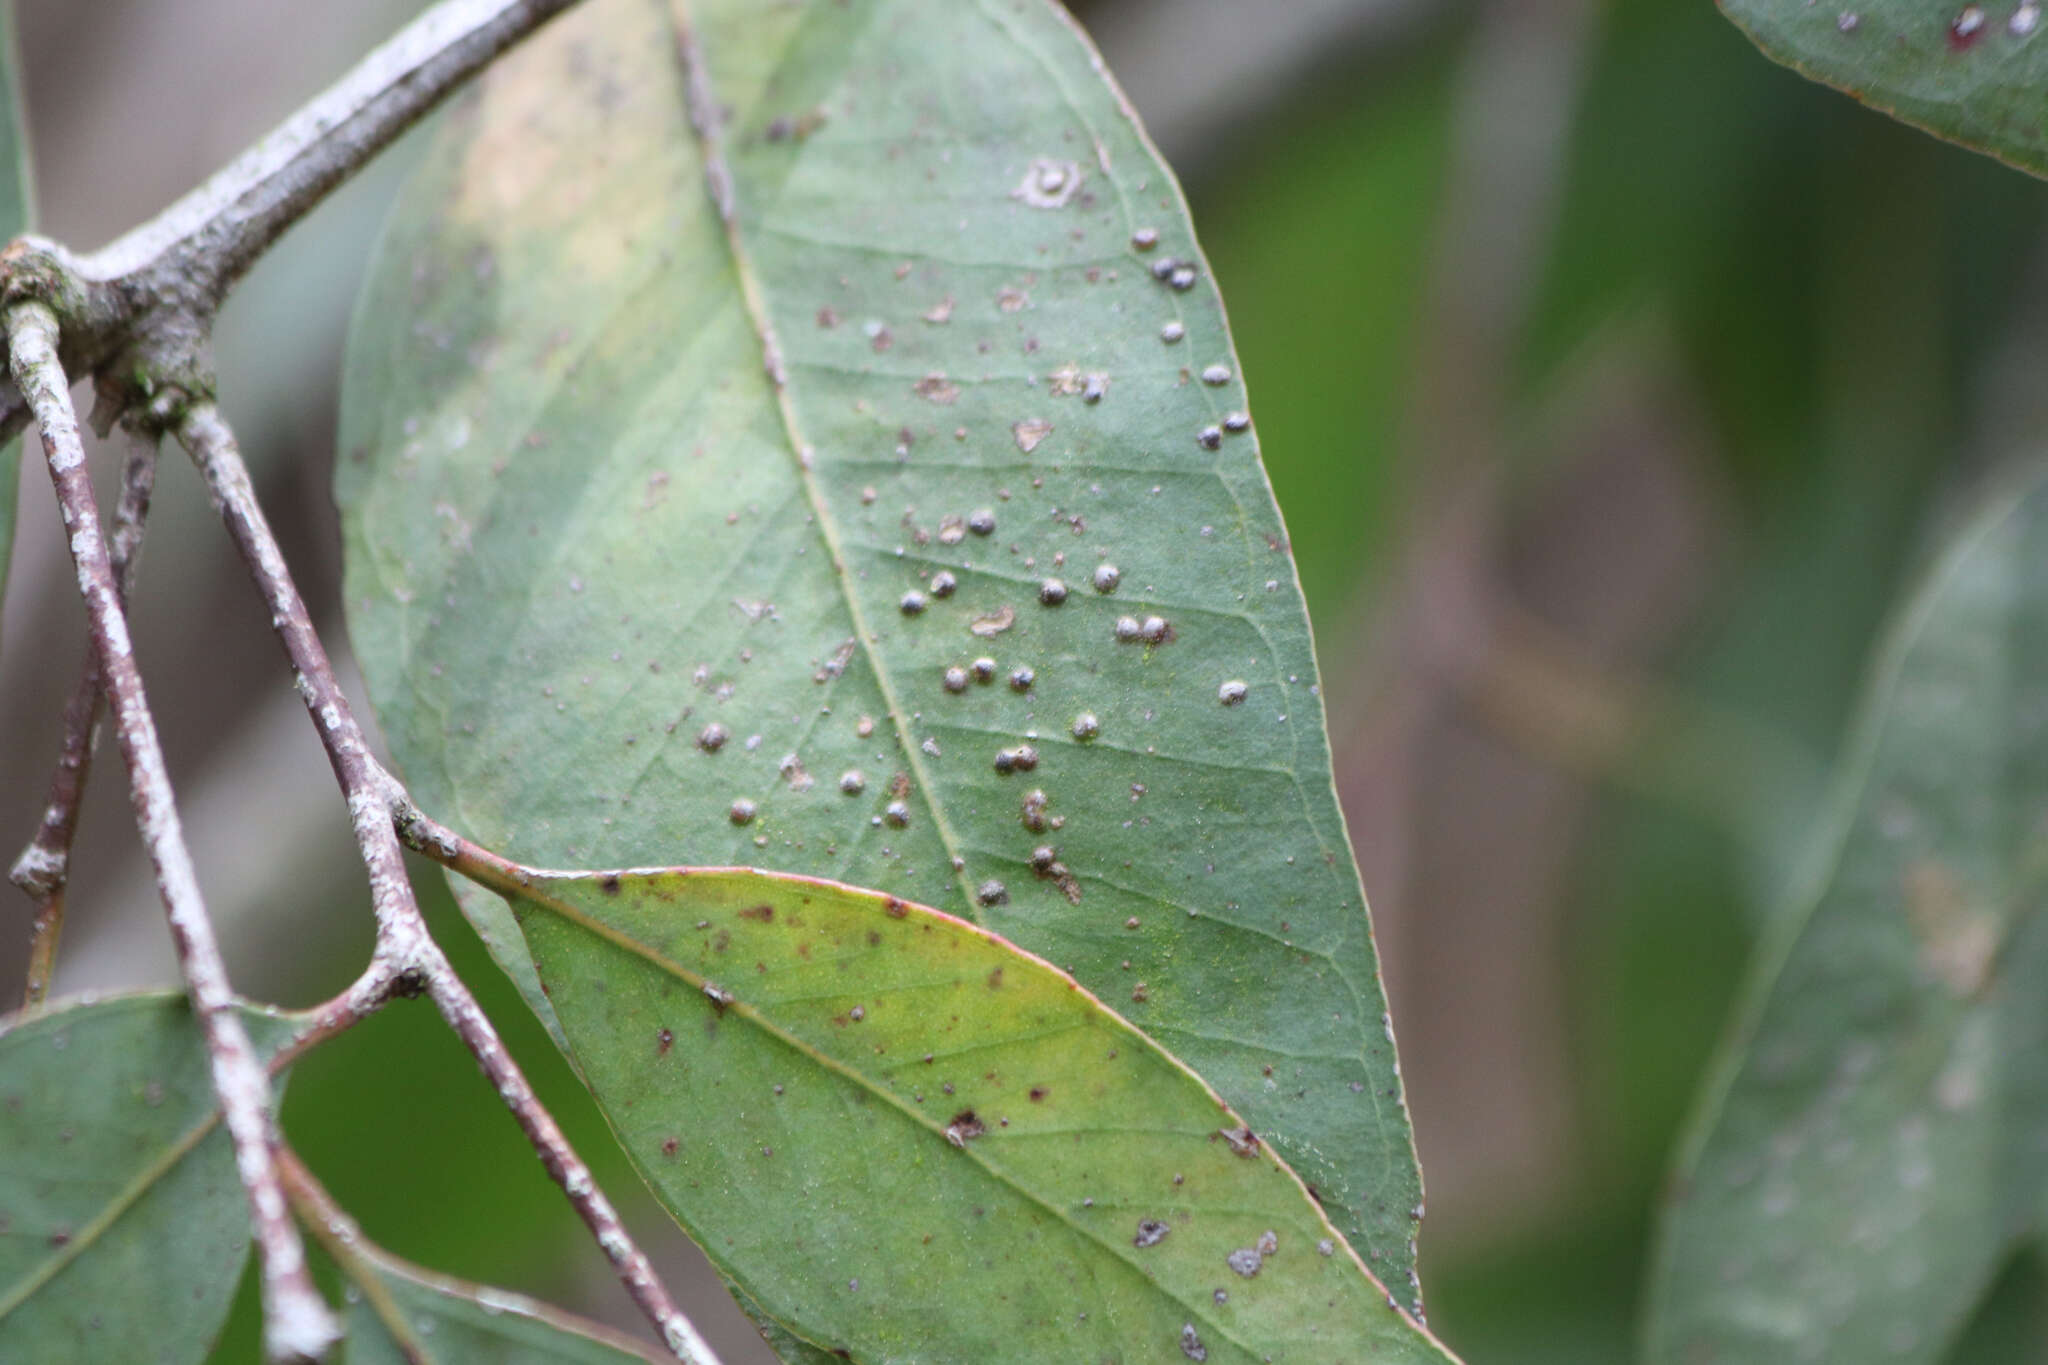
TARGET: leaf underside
(607,577)
(123,1226)
(904,1139)
(1878,1141)
(1966,72)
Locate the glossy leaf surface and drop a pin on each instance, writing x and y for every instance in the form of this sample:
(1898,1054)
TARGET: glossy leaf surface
(677,539)
(1971,73)
(906,1140)
(1878,1138)
(123,1226)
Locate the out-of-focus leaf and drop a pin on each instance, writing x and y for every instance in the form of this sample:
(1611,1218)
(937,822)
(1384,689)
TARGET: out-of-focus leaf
(16,191)
(608,578)
(1971,73)
(123,1226)
(1872,1147)
(904,1138)
(399,1314)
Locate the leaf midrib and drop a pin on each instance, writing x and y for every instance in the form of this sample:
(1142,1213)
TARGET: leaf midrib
(701,115)
(88,1236)
(752,1014)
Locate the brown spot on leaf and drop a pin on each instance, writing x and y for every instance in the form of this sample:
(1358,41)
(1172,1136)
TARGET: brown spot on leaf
(1242,1140)
(764,913)
(1958,941)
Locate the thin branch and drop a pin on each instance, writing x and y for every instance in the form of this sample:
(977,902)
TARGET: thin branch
(407,960)
(43,871)
(297,1325)
(214,234)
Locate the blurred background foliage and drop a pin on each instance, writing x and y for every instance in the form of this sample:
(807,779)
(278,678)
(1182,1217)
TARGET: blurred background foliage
(1614,383)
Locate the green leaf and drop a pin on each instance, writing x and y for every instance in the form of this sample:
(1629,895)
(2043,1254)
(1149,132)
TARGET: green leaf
(123,1226)
(905,1139)
(1871,1149)
(400,1314)
(1970,73)
(16,199)
(589,539)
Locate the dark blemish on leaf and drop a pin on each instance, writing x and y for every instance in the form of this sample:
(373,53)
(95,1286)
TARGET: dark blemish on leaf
(763,914)
(936,388)
(669,1147)
(874,939)
(718,997)
(1151,1232)
(857,1013)
(1140,993)
(964,1128)
(995,983)
(1038,1094)
(721,940)
(610,884)
(1966,28)
(1242,1140)
(663,1041)
(895,909)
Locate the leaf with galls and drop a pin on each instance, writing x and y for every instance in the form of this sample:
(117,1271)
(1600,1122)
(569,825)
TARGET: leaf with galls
(962,562)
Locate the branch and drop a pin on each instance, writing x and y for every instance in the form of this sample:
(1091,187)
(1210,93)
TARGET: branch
(297,1325)
(211,237)
(407,960)
(137,314)
(44,868)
